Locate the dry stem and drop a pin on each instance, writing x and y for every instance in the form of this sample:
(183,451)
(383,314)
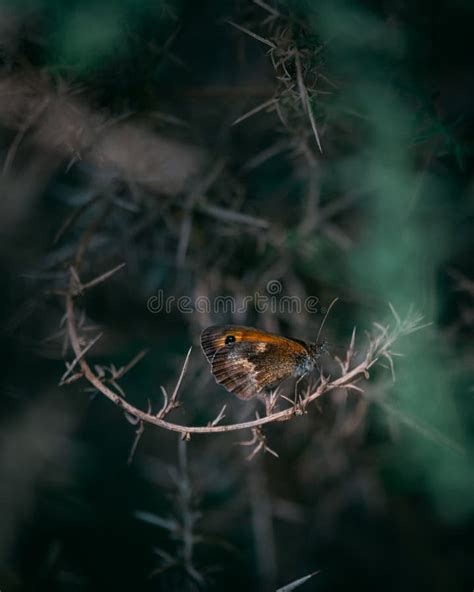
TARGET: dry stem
(379,346)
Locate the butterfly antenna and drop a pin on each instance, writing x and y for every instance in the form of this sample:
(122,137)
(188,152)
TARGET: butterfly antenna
(325,317)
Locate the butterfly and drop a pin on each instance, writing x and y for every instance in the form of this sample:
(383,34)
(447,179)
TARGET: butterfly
(247,361)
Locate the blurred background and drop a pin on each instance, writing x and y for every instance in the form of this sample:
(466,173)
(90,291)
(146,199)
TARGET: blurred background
(215,147)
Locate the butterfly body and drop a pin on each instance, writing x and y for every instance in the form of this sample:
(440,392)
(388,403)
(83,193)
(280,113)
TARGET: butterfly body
(247,361)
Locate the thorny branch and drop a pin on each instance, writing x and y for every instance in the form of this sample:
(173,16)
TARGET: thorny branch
(379,346)
(292,95)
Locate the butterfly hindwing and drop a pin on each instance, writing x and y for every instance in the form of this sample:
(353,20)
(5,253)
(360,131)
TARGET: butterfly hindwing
(232,369)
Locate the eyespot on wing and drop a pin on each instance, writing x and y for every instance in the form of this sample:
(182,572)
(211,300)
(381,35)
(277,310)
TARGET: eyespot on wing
(215,337)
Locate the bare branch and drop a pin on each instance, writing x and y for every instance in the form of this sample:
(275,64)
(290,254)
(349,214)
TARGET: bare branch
(79,355)
(219,417)
(180,379)
(293,585)
(133,362)
(138,435)
(254,35)
(265,6)
(379,345)
(255,110)
(80,288)
(232,216)
(305,99)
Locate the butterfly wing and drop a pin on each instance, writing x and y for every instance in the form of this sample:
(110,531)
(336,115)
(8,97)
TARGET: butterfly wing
(252,360)
(215,337)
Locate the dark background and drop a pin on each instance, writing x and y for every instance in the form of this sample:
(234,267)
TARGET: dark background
(116,126)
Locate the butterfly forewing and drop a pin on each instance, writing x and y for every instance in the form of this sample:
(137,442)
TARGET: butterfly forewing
(213,338)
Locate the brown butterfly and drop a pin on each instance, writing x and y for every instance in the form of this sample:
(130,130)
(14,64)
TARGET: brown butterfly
(246,360)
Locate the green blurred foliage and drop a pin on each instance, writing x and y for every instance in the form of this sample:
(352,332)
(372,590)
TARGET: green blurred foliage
(86,36)
(406,239)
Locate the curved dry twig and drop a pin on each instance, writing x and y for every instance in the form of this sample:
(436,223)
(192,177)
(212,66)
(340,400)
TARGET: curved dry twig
(379,345)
